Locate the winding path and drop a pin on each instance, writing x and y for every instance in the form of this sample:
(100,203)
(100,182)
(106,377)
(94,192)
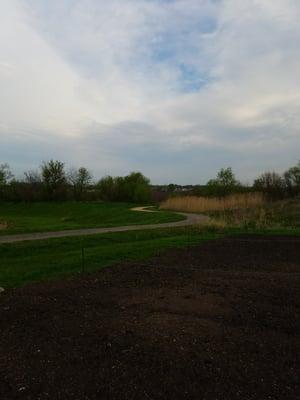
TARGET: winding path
(191,219)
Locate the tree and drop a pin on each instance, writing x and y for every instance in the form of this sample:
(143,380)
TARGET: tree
(54,178)
(292,180)
(5,174)
(225,183)
(80,179)
(134,187)
(33,177)
(271,184)
(106,187)
(171,188)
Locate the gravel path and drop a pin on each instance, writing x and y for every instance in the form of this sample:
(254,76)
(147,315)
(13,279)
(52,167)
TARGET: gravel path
(191,219)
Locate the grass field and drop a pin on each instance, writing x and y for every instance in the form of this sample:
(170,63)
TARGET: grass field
(25,262)
(55,216)
(31,261)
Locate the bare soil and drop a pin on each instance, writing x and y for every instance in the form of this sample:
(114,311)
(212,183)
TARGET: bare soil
(216,321)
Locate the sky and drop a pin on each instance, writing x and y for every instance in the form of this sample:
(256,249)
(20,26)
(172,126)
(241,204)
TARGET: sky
(176,89)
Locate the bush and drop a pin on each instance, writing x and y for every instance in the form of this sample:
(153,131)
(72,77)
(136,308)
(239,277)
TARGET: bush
(271,184)
(134,187)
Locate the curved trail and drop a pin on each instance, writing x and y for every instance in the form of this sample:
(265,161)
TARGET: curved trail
(191,219)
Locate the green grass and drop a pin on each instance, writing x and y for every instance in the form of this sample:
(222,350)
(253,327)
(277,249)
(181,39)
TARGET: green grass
(56,216)
(25,262)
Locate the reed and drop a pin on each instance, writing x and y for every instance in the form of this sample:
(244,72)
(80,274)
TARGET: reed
(204,204)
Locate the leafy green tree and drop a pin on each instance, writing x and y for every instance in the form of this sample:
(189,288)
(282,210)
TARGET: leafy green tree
(171,188)
(5,178)
(53,178)
(137,187)
(292,180)
(107,188)
(5,174)
(224,184)
(134,187)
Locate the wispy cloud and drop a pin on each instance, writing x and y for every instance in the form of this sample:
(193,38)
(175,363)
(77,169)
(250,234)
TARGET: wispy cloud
(175,88)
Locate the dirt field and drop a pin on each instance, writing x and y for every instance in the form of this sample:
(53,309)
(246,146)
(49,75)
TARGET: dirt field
(216,321)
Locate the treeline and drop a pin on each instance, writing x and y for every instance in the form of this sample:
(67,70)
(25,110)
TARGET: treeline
(52,182)
(272,184)
(277,186)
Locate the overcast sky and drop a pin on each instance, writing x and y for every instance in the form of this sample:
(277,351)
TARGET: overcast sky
(174,88)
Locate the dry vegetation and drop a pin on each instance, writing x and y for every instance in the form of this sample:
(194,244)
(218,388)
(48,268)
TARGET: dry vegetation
(4,225)
(247,211)
(253,218)
(204,204)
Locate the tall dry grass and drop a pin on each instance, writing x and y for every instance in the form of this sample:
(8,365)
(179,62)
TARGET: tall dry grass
(250,218)
(203,204)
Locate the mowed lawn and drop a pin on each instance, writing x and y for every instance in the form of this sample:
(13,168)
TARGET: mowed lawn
(56,216)
(25,262)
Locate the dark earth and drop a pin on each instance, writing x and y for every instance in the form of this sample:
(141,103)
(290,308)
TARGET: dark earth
(217,321)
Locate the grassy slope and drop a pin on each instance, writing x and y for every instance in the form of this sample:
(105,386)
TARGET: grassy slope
(25,262)
(55,216)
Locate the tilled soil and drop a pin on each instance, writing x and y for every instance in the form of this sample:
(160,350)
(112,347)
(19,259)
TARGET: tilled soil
(216,321)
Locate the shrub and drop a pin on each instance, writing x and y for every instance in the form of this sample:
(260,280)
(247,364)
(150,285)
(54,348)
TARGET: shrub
(271,184)
(134,187)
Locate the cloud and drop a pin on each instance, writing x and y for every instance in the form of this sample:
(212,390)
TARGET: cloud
(175,88)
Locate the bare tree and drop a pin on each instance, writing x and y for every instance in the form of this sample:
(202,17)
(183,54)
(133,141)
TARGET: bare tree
(271,184)
(80,179)
(33,177)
